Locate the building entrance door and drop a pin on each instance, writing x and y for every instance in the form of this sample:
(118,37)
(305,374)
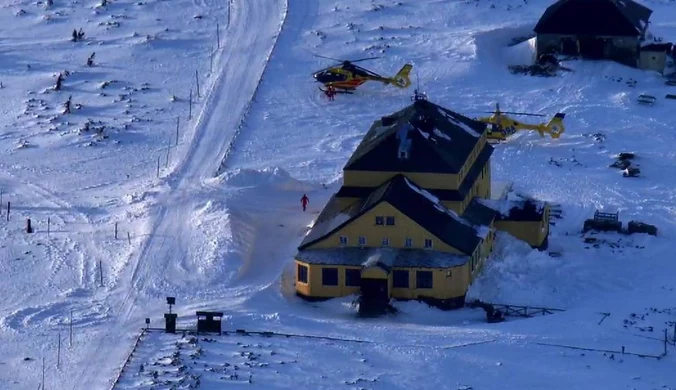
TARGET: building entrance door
(592,48)
(569,47)
(375,296)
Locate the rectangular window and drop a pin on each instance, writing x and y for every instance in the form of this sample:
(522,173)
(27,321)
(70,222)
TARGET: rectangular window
(352,277)
(403,154)
(423,279)
(385,242)
(408,243)
(400,279)
(362,240)
(428,243)
(389,221)
(343,240)
(330,276)
(380,221)
(302,273)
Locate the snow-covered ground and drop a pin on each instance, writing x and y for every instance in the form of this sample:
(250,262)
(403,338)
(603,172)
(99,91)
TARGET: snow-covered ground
(448,361)
(226,242)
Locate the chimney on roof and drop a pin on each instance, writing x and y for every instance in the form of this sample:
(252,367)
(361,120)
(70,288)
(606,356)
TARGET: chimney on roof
(418,96)
(404,149)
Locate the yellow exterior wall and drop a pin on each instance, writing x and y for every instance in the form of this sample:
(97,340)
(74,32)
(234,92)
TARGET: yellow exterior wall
(443,287)
(438,181)
(484,182)
(481,189)
(472,157)
(315,288)
(435,181)
(365,226)
(302,287)
(532,232)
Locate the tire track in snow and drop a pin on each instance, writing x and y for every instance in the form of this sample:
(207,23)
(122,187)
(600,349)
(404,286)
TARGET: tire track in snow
(164,246)
(198,164)
(58,250)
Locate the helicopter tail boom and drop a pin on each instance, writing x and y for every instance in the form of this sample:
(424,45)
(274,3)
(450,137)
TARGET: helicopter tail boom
(402,78)
(555,126)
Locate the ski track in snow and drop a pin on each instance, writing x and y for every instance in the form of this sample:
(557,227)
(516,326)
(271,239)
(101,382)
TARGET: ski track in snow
(165,259)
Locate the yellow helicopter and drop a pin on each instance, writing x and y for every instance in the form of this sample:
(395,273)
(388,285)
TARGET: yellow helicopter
(500,126)
(347,77)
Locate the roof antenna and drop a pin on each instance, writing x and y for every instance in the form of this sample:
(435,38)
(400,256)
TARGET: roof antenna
(417,95)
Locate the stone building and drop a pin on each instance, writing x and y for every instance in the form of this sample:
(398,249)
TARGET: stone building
(594,29)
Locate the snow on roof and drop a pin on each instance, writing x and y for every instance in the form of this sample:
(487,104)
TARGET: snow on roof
(499,190)
(439,134)
(461,125)
(322,228)
(380,256)
(426,194)
(439,206)
(507,206)
(502,206)
(381,129)
(482,231)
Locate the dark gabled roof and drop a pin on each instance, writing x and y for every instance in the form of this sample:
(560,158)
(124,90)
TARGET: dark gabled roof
(417,204)
(594,17)
(331,219)
(529,210)
(402,258)
(439,141)
(659,47)
(445,195)
(479,214)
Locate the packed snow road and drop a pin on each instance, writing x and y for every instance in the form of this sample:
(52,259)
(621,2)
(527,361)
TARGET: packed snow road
(168,262)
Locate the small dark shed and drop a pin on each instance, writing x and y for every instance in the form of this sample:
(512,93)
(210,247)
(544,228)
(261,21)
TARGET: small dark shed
(657,56)
(594,29)
(209,321)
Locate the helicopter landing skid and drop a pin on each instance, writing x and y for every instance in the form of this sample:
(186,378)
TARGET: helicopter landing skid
(337,91)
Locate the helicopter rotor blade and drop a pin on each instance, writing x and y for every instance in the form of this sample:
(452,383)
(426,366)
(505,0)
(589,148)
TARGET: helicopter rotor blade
(364,59)
(328,58)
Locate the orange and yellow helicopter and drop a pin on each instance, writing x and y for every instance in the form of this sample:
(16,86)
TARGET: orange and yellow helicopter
(500,126)
(347,76)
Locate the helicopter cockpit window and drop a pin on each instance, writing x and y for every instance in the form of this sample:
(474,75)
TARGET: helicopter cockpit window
(328,77)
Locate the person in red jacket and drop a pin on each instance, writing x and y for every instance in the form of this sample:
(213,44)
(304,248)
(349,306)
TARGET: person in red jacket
(304,201)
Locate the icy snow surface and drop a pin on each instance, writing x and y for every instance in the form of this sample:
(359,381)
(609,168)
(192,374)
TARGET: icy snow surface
(227,243)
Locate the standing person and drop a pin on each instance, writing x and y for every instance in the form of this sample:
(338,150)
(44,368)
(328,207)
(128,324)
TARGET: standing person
(304,201)
(332,92)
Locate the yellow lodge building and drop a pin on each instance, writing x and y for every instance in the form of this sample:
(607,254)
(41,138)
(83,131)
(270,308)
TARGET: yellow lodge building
(413,218)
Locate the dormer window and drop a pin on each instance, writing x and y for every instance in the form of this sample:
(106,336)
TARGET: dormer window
(404,141)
